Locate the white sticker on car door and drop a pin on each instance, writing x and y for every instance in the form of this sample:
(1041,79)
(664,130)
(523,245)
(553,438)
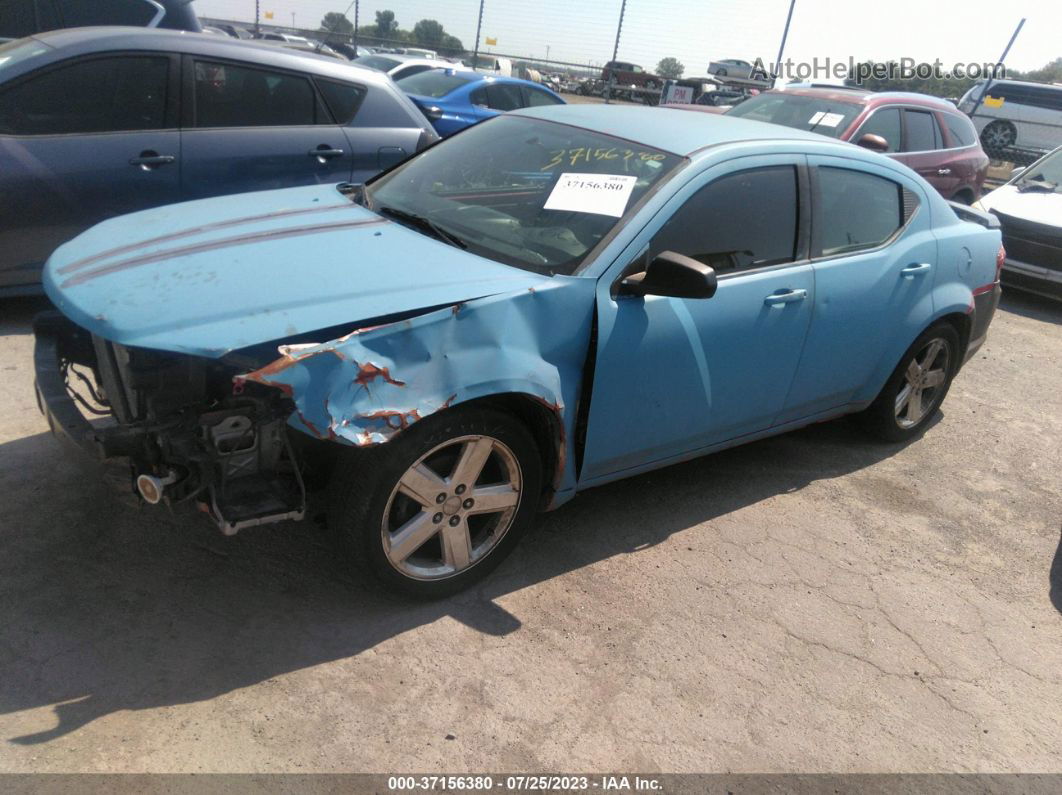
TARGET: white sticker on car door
(600,194)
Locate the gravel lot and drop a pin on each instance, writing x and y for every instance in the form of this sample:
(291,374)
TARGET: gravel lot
(807,603)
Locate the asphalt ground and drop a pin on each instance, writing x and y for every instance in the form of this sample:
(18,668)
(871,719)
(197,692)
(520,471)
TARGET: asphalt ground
(811,602)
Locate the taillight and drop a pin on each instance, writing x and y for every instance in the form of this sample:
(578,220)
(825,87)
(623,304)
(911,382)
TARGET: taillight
(1001,257)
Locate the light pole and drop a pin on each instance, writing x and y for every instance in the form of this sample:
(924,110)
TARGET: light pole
(293,28)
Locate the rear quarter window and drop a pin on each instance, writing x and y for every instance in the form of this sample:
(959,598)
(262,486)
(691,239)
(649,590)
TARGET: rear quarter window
(960,129)
(343,99)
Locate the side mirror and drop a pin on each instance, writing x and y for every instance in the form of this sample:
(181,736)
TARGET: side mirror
(672,275)
(1017,171)
(875,143)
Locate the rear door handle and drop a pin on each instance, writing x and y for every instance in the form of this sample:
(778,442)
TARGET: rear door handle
(943,172)
(785,297)
(149,159)
(325,152)
(911,270)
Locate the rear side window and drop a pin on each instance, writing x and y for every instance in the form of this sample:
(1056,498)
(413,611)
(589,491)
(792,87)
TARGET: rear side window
(99,95)
(961,130)
(1046,97)
(740,221)
(855,211)
(343,99)
(922,132)
(886,123)
(78,13)
(237,96)
(504,96)
(536,98)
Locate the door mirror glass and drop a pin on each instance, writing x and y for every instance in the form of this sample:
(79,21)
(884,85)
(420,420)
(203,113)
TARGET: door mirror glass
(875,143)
(673,275)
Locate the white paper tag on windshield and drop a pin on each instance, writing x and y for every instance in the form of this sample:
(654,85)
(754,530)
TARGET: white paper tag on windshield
(600,194)
(816,118)
(831,119)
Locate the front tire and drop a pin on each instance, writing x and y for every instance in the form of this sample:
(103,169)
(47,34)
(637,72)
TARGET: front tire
(441,505)
(917,387)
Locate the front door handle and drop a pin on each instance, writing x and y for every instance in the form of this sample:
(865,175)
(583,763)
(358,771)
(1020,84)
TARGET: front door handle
(912,270)
(785,297)
(943,172)
(325,152)
(150,159)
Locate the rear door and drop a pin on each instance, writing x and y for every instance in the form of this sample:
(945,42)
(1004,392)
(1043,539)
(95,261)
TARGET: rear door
(82,141)
(248,127)
(923,143)
(874,254)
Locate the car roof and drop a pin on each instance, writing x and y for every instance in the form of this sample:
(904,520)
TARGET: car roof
(682,134)
(862,96)
(69,42)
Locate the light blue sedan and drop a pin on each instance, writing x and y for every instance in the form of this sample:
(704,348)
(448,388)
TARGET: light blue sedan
(552,300)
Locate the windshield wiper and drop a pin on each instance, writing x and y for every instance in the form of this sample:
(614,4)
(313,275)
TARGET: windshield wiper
(424,224)
(1036,184)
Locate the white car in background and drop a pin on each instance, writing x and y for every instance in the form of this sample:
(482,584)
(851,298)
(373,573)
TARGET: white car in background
(1015,113)
(1029,208)
(398,66)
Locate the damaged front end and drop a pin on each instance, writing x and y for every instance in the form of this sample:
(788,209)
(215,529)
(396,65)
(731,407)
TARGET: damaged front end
(190,433)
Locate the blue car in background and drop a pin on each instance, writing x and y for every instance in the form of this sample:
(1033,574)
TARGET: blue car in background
(552,300)
(453,99)
(97,122)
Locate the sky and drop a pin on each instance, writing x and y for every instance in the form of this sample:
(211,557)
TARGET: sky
(699,31)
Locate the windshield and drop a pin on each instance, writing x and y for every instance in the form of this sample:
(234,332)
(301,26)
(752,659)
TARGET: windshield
(801,112)
(1047,174)
(377,62)
(435,83)
(526,192)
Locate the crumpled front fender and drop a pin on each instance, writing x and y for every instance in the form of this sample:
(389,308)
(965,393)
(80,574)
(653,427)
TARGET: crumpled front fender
(368,386)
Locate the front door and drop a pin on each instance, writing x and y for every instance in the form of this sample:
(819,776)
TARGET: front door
(250,128)
(79,143)
(673,376)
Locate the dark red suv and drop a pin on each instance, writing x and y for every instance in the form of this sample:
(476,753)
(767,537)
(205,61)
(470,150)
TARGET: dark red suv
(927,134)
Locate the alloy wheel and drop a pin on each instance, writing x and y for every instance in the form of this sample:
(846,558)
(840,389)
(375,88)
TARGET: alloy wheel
(924,379)
(451,507)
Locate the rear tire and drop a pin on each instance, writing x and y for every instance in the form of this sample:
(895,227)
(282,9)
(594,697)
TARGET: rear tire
(441,505)
(997,137)
(913,394)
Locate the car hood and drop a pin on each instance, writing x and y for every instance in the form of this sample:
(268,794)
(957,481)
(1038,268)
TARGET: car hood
(212,276)
(1037,206)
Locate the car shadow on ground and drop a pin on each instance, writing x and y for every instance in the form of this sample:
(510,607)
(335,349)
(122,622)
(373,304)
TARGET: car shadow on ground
(1035,307)
(107,608)
(1055,577)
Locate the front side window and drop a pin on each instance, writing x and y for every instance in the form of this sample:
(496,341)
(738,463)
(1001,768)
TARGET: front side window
(239,96)
(99,95)
(886,123)
(922,132)
(738,222)
(526,192)
(799,111)
(855,211)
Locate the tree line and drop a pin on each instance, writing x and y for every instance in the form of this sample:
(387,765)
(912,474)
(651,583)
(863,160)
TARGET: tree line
(427,33)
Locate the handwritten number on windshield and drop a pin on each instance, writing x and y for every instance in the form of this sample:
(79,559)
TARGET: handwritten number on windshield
(584,154)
